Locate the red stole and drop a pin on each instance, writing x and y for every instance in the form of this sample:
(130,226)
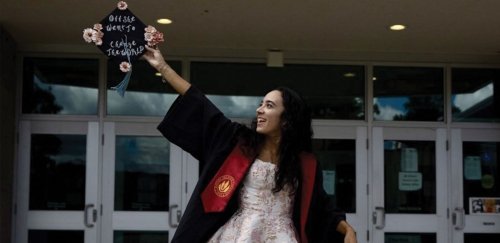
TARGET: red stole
(222,186)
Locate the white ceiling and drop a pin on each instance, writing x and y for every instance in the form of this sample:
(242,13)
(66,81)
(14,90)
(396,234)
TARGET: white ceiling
(315,29)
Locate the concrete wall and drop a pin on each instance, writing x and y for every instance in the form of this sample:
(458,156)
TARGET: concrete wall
(7,131)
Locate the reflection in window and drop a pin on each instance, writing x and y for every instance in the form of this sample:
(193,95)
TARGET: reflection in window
(140,237)
(55,236)
(481,167)
(408,94)
(473,95)
(146,94)
(60,86)
(410,177)
(57,172)
(338,162)
(332,91)
(142,173)
(410,237)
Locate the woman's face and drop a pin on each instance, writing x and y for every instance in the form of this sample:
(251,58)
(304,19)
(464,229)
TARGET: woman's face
(269,114)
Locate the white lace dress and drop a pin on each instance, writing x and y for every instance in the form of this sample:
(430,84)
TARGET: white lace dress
(263,216)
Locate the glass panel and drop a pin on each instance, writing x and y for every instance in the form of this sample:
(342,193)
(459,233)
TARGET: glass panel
(338,161)
(475,95)
(483,238)
(410,176)
(142,173)
(60,86)
(146,94)
(57,172)
(237,88)
(481,177)
(55,236)
(410,238)
(140,237)
(408,94)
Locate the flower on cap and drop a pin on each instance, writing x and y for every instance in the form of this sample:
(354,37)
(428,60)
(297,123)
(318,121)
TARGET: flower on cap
(88,33)
(125,67)
(122,5)
(93,35)
(98,27)
(152,36)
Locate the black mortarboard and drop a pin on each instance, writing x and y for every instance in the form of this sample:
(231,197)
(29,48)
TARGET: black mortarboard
(122,37)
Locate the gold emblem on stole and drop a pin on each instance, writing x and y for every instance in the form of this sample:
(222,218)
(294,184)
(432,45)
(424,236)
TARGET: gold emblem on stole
(223,185)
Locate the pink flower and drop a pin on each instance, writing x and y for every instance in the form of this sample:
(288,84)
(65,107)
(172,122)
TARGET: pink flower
(98,27)
(122,5)
(153,37)
(125,67)
(98,41)
(88,34)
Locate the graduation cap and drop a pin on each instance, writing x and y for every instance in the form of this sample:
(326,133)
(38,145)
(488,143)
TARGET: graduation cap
(122,36)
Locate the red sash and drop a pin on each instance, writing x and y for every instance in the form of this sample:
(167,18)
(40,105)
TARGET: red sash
(222,186)
(308,167)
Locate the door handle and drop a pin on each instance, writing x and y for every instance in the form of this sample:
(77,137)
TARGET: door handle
(378,217)
(171,214)
(458,218)
(90,211)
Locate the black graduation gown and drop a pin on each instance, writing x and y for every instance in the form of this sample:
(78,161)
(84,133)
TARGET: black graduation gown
(198,127)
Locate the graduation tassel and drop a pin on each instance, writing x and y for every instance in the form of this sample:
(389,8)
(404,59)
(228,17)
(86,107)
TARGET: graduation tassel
(122,86)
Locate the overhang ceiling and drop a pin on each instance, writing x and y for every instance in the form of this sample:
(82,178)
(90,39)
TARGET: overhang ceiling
(321,29)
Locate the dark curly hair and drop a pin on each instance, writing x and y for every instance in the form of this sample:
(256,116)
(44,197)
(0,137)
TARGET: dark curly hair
(296,137)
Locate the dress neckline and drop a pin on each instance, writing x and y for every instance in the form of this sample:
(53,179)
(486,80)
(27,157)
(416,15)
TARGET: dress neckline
(265,162)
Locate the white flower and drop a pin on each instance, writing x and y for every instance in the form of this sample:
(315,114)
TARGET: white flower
(97,27)
(98,41)
(88,34)
(122,5)
(150,29)
(125,66)
(148,36)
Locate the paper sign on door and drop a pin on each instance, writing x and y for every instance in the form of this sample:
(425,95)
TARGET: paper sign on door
(410,181)
(409,160)
(472,168)
(484,205)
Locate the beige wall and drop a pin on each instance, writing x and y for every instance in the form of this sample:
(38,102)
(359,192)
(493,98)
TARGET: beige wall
(7,131)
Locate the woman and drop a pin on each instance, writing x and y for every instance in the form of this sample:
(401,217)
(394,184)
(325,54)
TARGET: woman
(259,184)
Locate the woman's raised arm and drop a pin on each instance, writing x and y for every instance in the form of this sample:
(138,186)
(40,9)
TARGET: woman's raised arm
(155,59)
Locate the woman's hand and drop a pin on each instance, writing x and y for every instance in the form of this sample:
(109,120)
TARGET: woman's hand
(154,57)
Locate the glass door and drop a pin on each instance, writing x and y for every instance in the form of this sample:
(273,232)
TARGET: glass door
(57,182)
(409,183)
(142,186)
(475,196)
(342,153)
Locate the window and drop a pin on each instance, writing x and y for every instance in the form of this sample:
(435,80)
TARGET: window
(332,91)
(60,86)
(408,94)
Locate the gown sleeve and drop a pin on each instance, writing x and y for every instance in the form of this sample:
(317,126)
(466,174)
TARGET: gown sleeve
(196,125)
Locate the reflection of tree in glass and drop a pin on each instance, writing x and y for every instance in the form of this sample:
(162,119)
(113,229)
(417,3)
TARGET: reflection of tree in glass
(44,101)
(422,108)
(376,109)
